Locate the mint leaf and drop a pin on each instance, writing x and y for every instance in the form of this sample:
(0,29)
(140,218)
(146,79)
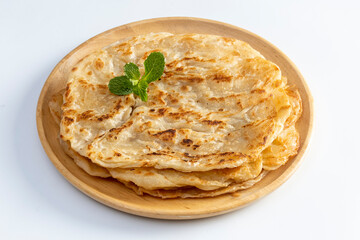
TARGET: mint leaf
(132,71)
(131,81)
(120,85)
(141,90)
(154,67)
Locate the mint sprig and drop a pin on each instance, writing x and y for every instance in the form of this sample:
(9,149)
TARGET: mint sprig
(154,67)
(140,89)
(131,81)
(120,85)
(132,71)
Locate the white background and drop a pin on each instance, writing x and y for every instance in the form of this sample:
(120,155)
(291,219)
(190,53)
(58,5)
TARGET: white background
(320,201)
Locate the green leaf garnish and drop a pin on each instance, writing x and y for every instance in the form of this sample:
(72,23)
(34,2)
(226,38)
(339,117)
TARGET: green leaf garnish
(154,67)
(121,85)
(131,81)
(132,71)
(141,90)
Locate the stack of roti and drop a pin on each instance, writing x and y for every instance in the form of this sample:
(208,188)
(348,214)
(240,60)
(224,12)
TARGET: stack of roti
(217,121)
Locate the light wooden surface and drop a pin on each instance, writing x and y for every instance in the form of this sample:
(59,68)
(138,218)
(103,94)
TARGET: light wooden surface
(114,194)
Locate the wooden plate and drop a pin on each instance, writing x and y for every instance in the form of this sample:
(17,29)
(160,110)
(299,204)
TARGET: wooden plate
(114,194)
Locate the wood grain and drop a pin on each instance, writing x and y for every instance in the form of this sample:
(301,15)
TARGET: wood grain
(114,194)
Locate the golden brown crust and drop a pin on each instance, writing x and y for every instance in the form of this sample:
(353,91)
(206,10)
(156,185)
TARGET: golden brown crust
(195,192)
(210,116)
(149,179)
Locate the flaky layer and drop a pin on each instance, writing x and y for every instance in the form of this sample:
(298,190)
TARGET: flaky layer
(218,104)
(284,146)
(195,192)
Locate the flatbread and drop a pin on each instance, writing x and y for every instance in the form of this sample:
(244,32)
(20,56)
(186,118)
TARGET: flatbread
(195,192)
(219,118)
(296,106)
(151,179)
(281,149)
(85,164)
(218,104)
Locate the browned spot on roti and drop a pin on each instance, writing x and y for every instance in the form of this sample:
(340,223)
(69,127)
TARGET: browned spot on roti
(228,156)
(162,111)
(117,154)
(195,146)
(105,116)
(100,156)
(127,100)
(99,136)
(167,135)
(264,140)
(102,86)
(149,174)
(120,129)
(145,126)
(99,64)
(118,104)
(158,96)
(187,59)
(83,81)
(127,51)
(258,91)
(121,46)
(156,153)
(212,122)
(85,115)
(185,88)
(220,77)
(148,53)
(168,74)
(67,121)
(69,112)
(67,90)
(191,79)
(228,40)
(173,99)
(187,142)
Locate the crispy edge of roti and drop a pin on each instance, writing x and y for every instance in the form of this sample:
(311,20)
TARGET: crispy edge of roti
(296,106)
(88,166)
(249,169)
(194,192)
(271,162)
(180,192)
(285,146)
(189,178)
(151,178)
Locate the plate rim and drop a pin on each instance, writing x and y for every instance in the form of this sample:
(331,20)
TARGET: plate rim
(132,208)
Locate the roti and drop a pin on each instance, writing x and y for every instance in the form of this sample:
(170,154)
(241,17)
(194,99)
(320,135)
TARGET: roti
(272,157)
(218,104)
(195,192)
(217,121)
